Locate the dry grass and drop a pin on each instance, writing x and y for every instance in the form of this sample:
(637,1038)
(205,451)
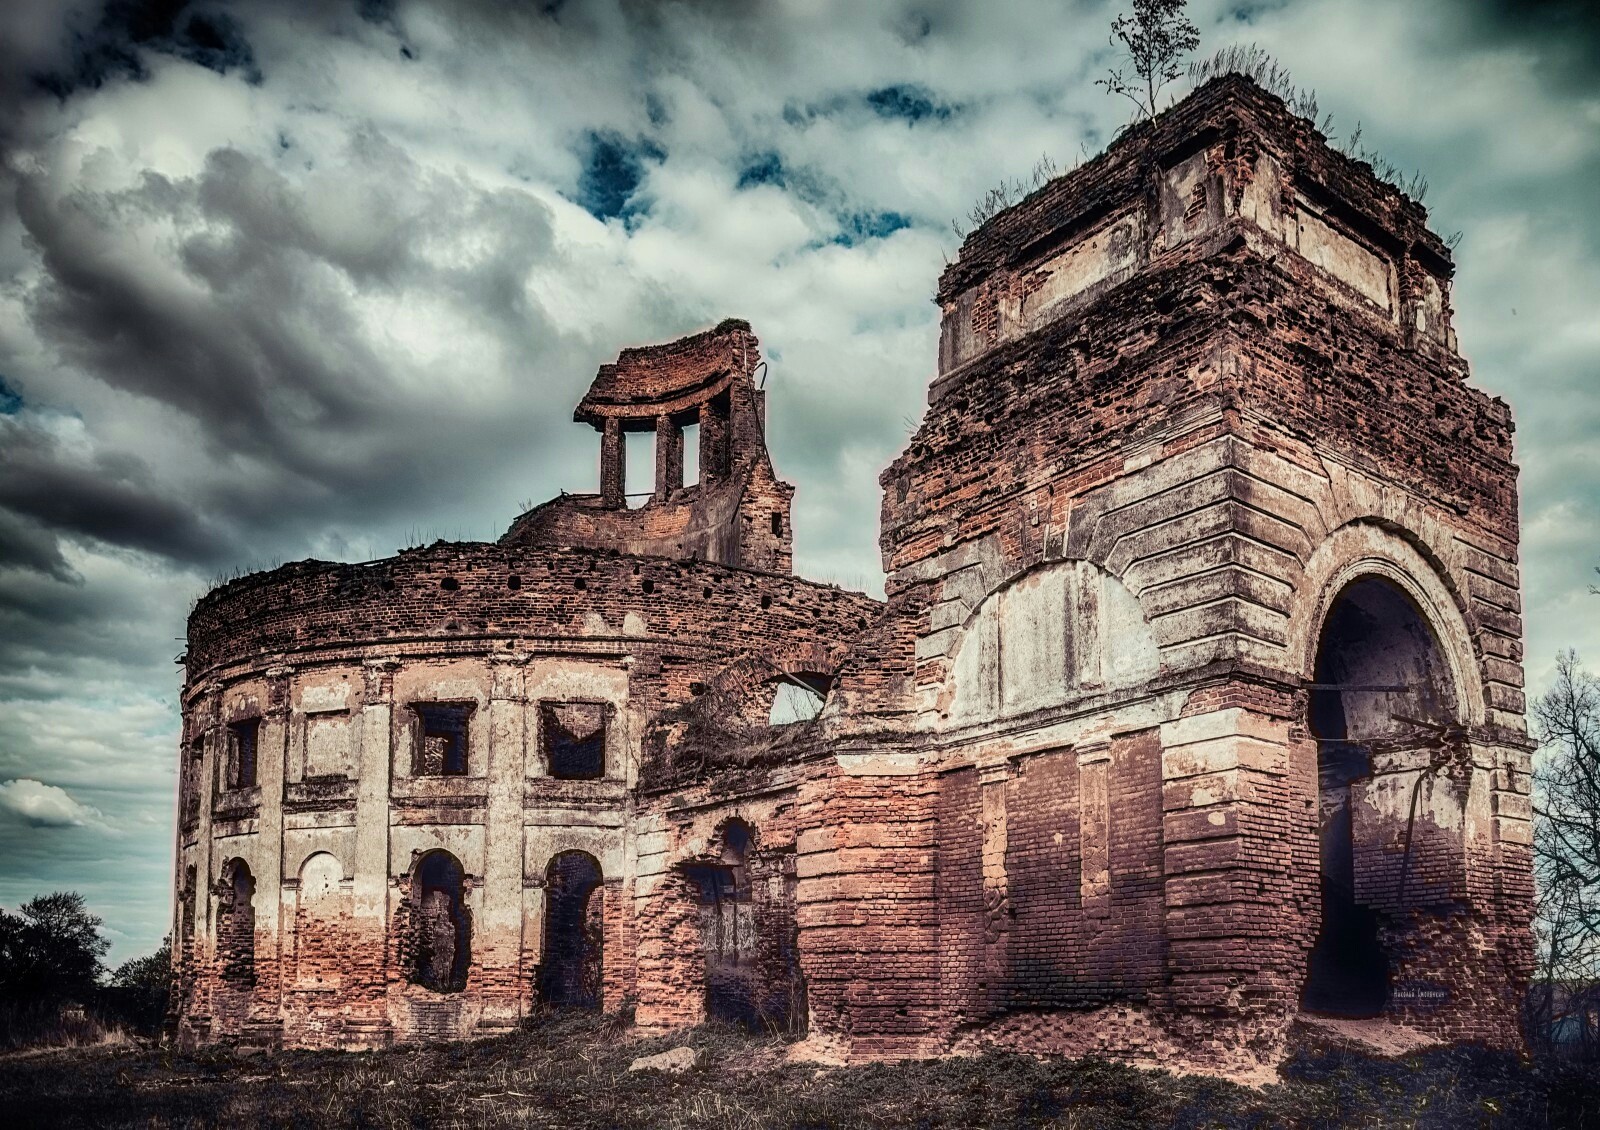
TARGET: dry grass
(571,1071)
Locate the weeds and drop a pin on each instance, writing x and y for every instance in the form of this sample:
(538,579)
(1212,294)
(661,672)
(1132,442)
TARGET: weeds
(571,1069)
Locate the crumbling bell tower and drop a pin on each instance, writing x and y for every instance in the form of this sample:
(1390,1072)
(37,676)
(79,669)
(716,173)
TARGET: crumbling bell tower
(1203,563)
(736,513)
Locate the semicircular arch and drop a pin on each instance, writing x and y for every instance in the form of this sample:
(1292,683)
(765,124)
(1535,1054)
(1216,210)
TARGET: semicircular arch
(1367,549)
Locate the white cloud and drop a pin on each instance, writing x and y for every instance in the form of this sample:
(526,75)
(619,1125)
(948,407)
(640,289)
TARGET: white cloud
(44,806)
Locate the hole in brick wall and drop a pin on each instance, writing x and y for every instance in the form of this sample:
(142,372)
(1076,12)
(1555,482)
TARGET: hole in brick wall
(698,689)
(798,698)
(440,931)
(513,582)
(1378,674)
(573,737)
(387,584)
(777,524)
(236,926)
(572,969)
(242,742)
(441,744)
(706,592)
(449,584)
(580,584)
(766,602)
(648,586)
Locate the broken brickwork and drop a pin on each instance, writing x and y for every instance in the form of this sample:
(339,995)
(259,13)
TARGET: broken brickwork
(1195,702)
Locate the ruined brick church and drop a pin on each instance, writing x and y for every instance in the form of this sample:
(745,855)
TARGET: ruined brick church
(1195,703)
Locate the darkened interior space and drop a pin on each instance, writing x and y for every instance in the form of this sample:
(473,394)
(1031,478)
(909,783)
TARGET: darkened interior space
(236,926)
(574,933)
(574,738)
(752,970)
(442,738)
(1378,675)
(442,925)
(242,740)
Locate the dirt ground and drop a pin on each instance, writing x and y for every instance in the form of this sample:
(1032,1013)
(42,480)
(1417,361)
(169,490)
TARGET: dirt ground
(572,1071)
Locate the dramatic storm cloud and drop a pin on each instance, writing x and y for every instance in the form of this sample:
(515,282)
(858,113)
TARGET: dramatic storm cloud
(282,279)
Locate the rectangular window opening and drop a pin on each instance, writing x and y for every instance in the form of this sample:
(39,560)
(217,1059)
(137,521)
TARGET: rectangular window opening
(441,739)
(242,741)
(691,454)
(640,462)
(573,735)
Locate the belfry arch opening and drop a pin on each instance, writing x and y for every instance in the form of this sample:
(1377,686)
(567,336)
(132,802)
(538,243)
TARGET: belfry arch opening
(441,952)
(571,972)
(1379,678)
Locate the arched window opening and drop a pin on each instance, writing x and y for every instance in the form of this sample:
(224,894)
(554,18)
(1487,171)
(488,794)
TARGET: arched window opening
(798,698)
(236,926)
(1379,681)
(574,932)
(441,926)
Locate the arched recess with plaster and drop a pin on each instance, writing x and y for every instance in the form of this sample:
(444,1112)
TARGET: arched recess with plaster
(322,927)
(1047,635)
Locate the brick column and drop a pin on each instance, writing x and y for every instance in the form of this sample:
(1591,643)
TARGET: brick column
(498,939)
(613,464)
(367,1021)
(1240,860)
(670,976)
(997,910)
(713,444)
(272,752)
(669,457)
(865,906)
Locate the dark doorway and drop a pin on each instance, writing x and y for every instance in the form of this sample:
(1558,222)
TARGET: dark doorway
(747,933)
(572,970)
(1378,674)
(236,926)
(441,934)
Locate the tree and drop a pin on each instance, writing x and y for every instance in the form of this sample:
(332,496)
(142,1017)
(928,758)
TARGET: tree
(1154,39)
(1566,847)
(51,950)
(137,992)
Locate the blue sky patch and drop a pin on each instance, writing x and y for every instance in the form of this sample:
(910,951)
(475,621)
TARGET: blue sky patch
(10,400)
(612,172)
(858,227)
(764,168)
(909,102)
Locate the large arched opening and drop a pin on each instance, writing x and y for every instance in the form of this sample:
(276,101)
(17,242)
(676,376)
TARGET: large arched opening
(440,934)
(1379,678)
(572,969)
(236,927)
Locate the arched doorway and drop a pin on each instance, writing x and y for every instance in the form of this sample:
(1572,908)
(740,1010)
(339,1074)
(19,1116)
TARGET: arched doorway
(441,925)
(574,933)
(236,927)
(1379,676)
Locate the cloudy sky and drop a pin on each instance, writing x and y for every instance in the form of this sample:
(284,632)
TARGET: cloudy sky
(325,278)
